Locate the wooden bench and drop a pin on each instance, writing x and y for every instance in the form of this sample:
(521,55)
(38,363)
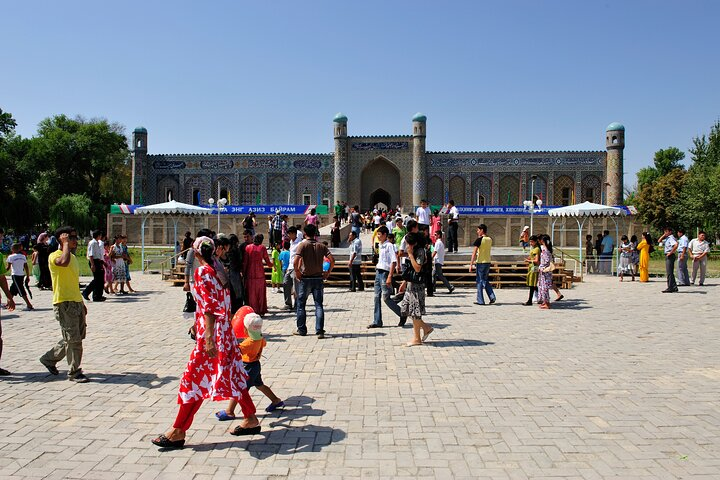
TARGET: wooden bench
(502,275)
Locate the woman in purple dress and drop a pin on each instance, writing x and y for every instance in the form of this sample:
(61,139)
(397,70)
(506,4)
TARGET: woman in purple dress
(546,268)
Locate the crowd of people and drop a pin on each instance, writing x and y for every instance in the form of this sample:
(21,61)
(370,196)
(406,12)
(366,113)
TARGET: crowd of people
(634,258)
(223,276)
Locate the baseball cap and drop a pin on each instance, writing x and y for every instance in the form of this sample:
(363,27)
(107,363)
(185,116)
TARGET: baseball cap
(253,324)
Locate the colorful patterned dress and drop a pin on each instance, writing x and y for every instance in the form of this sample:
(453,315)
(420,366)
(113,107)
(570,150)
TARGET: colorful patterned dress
(118,265)
(223,376)
(532,275)
(277,275)
(644,249)
(625,265)
(544,278)
(254,261)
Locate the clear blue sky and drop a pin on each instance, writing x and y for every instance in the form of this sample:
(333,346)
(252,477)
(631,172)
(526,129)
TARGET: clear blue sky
(242,76)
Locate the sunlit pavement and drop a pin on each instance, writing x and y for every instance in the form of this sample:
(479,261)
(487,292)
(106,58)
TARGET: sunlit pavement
(617,379)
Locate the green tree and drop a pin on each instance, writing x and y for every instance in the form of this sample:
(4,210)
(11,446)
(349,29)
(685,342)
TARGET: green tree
(657,202)
(7,124)
(73,210)
(77,156)
(664,161)
(20,207)
(667,160)
(700,199)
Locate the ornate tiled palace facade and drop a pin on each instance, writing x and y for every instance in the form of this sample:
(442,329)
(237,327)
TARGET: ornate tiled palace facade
(390,170)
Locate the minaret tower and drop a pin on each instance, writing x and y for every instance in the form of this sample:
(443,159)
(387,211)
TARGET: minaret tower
(419,171)
(615,144)
(340,160)
(139,159)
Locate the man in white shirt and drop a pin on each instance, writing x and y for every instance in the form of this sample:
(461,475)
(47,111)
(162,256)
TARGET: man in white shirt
(95,256)
(384,270)
(698,250)
(423,216)
(683,277)
(290,283)
(439,260)
(453,216)
(354,263)
(670,247)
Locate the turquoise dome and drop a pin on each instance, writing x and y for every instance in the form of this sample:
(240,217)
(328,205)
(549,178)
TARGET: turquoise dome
(140,130)
(419,117)
(615,126)
(340,118)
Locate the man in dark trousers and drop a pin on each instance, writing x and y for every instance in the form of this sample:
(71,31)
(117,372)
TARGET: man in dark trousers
(69,309)
(670,245)
(95,253)
(308,267)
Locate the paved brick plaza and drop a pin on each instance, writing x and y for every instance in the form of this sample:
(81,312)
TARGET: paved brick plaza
(619,380)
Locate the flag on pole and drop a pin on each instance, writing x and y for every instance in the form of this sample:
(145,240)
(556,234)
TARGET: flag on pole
(257,199)
(229,201)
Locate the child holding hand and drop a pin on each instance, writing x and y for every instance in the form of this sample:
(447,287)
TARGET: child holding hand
(251,349)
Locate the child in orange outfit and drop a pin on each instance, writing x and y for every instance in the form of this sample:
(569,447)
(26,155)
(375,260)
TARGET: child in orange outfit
(251,349)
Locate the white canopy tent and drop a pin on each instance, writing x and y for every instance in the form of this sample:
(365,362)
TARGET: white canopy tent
(174,210)
(583,211)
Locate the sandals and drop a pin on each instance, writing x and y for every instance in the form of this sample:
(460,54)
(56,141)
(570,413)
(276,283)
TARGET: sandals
(223,416)
(426,335)
(274,406)
(239,431)
(163,442)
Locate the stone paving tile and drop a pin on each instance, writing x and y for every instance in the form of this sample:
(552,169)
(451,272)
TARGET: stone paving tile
(616,380)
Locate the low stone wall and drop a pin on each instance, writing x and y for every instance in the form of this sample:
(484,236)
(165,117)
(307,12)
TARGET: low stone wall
(504,230)
(159,229)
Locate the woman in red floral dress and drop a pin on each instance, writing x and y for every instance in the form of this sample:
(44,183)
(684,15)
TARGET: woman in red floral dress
(254,274)
(215,369)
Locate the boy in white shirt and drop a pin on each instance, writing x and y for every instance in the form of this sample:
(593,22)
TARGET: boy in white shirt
(698,250)
(423,216)
(17,263)
(439,260)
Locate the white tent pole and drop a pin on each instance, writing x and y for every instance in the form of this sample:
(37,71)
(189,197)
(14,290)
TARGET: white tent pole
(142,242)
(617,250)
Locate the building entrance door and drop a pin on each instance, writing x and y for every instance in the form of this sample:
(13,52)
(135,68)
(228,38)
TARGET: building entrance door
(380,199)
(380,184)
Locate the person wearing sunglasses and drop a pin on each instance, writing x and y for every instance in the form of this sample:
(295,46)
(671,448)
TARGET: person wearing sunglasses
(68,306)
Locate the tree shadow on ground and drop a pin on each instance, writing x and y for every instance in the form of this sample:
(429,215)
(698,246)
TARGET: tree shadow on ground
(374,333)
(443,313)
(134,298)
(569,305)
(284,439)
(144,380)
(458,343)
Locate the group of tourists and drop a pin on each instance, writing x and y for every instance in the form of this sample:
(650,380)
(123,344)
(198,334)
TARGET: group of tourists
(635,256)
(110,267)
(68,306)
(681,249)
(541,267)
(223,275)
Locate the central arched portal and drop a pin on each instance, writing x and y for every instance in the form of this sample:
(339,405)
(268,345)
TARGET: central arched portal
(380,199)
(380,183)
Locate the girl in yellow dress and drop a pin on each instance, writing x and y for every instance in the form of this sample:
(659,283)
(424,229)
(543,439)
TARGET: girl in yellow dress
(644,247)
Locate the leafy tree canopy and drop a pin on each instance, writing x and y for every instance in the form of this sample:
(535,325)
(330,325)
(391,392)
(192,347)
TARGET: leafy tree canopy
(87,159)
